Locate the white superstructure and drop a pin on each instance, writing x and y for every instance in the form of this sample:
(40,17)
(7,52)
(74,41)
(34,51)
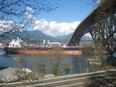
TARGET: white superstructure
(15,43)
(54,44)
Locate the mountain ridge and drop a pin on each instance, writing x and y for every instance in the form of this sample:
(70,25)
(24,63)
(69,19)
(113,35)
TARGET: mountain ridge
(38,35)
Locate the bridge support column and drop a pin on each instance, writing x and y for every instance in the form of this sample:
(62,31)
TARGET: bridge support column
(102,33)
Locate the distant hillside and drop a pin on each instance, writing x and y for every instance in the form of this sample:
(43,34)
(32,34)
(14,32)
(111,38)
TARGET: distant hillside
(37,35)
(86,38)
(66,38)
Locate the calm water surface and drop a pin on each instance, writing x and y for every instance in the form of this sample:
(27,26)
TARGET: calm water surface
(47,64)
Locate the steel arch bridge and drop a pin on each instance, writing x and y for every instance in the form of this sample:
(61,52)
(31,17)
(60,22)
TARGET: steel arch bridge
(101,24)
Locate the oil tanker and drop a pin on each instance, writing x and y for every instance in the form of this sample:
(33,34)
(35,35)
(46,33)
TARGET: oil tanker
(45,50)
(15,47)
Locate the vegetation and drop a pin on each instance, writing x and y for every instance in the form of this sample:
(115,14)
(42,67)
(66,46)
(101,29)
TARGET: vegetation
(67,67)
(17,14)
(97,57)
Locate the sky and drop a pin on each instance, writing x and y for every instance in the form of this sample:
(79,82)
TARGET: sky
(62,21)
(69,10)
(65,18)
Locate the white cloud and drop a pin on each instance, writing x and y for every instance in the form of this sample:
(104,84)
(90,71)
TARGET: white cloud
(52,24)
(6,25)
(40,24)
(98,1)
(29,14)
(53,28)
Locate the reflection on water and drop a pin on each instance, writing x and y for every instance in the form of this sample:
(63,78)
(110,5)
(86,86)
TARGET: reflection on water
(46,64)
(6,61)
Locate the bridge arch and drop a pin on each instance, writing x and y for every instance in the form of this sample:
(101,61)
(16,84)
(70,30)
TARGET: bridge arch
(102,29)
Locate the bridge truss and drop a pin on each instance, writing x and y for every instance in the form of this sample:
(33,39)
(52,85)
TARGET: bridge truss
(101,24)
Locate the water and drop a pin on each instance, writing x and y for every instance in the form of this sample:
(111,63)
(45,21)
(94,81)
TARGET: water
(47,64)
(6,61)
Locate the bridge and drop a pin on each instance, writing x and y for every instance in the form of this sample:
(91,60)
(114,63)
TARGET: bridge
(101,24)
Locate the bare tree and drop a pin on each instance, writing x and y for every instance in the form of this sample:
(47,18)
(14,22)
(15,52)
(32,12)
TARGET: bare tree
(16,14)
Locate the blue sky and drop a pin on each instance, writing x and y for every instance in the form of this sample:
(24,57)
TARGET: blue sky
(68,11)
(61,21)
(65,18)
